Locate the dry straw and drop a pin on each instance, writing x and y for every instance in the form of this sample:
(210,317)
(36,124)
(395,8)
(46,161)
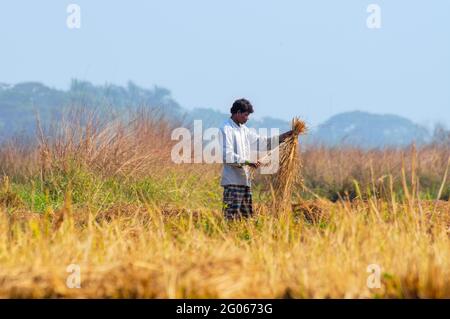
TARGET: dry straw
(288,173)
(289,170)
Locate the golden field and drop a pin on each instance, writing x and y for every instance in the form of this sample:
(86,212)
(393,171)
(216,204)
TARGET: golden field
(106,197)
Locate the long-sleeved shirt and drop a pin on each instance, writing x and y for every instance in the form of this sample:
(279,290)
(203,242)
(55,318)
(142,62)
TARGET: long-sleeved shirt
(238,141)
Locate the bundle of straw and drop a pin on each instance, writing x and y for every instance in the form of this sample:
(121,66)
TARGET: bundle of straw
(289,169)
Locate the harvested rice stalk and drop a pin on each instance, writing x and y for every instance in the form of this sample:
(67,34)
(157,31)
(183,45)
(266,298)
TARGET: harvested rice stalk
(289,169)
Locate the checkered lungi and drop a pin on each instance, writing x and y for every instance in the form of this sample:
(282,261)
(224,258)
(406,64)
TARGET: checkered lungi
(237,201)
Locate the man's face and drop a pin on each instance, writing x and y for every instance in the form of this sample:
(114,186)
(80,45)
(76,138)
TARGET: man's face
(242,118)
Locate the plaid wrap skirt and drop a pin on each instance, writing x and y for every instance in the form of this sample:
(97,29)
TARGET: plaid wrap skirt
(237,201)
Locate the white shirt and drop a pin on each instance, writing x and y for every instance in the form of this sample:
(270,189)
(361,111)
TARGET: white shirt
(238,143)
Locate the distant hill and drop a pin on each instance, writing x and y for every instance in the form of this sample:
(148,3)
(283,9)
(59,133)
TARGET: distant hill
(213,118)
(20,102)
(369,131)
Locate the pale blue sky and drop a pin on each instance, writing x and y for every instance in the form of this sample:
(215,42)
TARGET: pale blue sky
(310,58)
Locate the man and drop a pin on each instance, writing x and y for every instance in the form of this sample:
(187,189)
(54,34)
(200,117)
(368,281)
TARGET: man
(238,141)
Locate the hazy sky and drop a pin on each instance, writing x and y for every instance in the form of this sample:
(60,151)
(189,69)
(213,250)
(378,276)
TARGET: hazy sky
(309,58)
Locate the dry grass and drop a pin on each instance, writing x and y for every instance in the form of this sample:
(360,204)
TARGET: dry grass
(144,252)
(114,146)
(7,197)
(129,145)
(151,229)
(329,171)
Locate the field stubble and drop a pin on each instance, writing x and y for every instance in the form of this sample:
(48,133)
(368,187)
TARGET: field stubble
(141,227)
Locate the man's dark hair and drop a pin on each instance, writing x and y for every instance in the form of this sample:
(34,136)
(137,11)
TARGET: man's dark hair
(241,105)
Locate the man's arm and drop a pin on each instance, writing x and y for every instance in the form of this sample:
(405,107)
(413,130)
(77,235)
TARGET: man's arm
(284,136)
(256,139)
(272,142)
